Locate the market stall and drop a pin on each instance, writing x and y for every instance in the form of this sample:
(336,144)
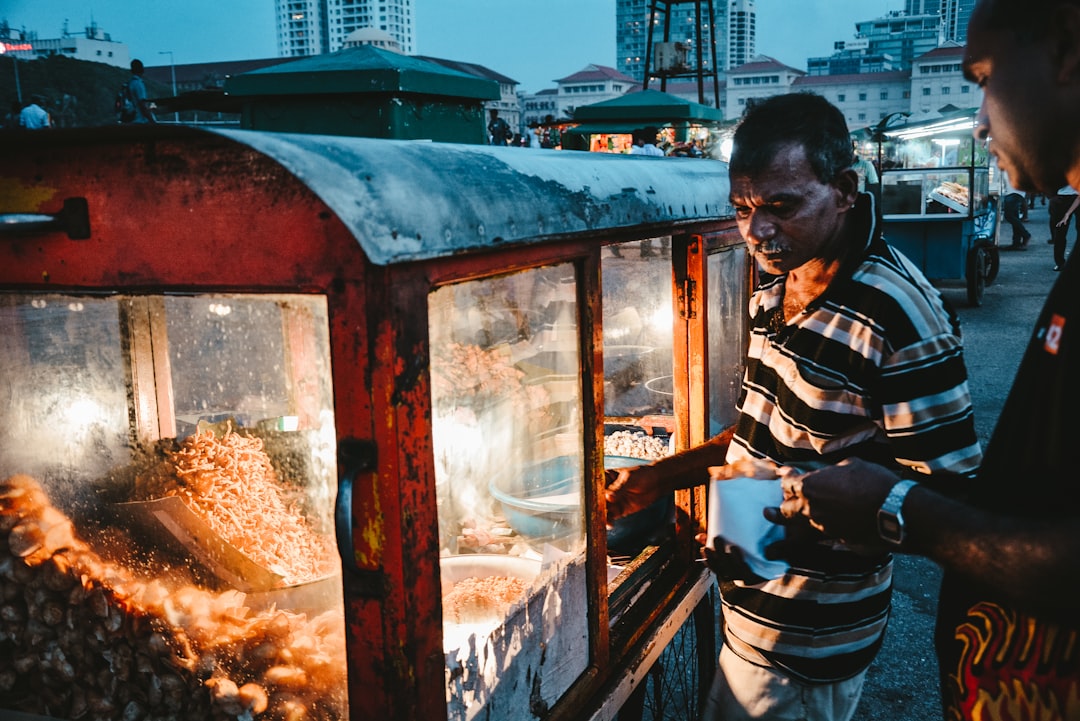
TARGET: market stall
(303,426)
(678,124)
(935,199)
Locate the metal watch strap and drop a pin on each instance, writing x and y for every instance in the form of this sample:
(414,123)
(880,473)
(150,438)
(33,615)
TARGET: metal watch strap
(890,520)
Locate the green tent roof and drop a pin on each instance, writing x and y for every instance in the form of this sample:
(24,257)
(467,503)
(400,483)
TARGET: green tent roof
(363,69)
(648,107)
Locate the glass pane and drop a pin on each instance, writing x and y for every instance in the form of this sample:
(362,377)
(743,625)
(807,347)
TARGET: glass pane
(509,464)
(638,330)
(728,291)
(193,567)
(947,193)
(63,388)
(639,392)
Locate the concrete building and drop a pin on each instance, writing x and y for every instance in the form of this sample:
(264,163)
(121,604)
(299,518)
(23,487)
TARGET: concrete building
(937,80)
(313,27)
(761,77)
(371,36)
(537,107)
(592,84)
(901,36)
(892,42)
(934,83)
(92,44)
(863,99)
(507,104)
(850,58)
(688,90)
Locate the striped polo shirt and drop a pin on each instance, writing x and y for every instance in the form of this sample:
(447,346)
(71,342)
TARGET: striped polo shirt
(872,368)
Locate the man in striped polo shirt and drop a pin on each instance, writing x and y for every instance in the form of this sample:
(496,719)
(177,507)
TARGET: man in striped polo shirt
(852,354)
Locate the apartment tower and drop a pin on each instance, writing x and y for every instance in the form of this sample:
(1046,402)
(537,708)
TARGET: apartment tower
(313,27)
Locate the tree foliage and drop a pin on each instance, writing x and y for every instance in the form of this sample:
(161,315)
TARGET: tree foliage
(77,93)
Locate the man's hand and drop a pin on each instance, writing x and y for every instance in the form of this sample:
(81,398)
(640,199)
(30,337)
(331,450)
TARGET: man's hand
(727,562)
(632,489)
(841,501)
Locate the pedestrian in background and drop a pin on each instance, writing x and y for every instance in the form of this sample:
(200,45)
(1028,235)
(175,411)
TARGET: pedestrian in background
(1013,203)
(136,89)
(34,116)
(644,143)
(1062,209)
(498,129)
(1008,631)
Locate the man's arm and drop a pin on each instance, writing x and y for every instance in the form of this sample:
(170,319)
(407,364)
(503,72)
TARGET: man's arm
(1032,562)
(635,489)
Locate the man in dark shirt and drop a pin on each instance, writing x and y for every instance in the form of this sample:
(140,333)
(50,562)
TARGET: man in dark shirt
(1008,632)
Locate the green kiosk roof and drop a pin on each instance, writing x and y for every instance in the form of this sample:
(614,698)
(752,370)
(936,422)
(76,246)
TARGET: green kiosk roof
(648,107)
(363,69)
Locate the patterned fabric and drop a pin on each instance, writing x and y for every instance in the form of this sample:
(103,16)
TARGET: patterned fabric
(1000,661)
(872,368)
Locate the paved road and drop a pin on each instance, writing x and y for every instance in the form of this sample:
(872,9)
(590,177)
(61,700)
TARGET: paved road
(902,684)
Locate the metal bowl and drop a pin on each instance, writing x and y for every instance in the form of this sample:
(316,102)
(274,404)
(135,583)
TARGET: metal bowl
(453,569)
(543,505)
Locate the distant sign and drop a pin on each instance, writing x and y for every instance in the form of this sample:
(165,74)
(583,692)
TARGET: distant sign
(16,47)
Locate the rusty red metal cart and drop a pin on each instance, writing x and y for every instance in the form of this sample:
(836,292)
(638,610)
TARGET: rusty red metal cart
(302,426)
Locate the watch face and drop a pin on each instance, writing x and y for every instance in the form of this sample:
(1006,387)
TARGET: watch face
(889,527)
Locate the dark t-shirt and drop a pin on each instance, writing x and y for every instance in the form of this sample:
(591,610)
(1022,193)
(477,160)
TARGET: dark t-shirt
(998,661)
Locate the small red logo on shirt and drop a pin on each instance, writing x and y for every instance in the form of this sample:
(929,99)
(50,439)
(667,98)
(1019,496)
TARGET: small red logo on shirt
(1053,334)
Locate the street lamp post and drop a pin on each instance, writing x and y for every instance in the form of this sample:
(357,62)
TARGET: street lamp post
(172,67)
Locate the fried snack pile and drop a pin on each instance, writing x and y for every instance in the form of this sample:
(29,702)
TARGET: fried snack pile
(953,191)
(83,638)
(230,484)
(474,599)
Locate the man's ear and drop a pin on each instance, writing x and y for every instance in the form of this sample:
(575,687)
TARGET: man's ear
(846,184)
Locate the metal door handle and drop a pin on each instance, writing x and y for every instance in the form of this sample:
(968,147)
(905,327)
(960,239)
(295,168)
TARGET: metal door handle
(73,219)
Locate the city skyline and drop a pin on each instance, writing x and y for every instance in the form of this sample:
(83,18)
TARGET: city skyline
(533,48)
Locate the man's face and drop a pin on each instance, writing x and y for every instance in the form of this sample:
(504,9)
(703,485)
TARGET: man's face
(1028,131)
(786,215)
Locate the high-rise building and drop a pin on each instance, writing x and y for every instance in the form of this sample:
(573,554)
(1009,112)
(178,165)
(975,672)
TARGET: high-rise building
(312,27)
(922,7)
(955,15)
(901,36)
(741,33)
(632,27)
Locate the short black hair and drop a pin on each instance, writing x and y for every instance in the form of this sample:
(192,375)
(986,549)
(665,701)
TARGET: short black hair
(806,119)
(1027,19)
(137,66)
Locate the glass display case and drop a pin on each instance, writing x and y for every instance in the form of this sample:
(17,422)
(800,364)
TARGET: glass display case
(933,168)
(935,199)
(175,453)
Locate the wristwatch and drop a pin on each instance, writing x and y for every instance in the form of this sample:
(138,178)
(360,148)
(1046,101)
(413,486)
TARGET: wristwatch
(890,521)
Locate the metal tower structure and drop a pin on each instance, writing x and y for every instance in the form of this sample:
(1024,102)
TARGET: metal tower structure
(673,59)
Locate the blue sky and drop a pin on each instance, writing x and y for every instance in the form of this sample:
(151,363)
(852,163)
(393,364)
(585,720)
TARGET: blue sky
(532,42)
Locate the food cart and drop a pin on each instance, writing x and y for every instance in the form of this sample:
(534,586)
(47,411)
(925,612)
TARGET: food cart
(313,427)
(936,202)
(681,125)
